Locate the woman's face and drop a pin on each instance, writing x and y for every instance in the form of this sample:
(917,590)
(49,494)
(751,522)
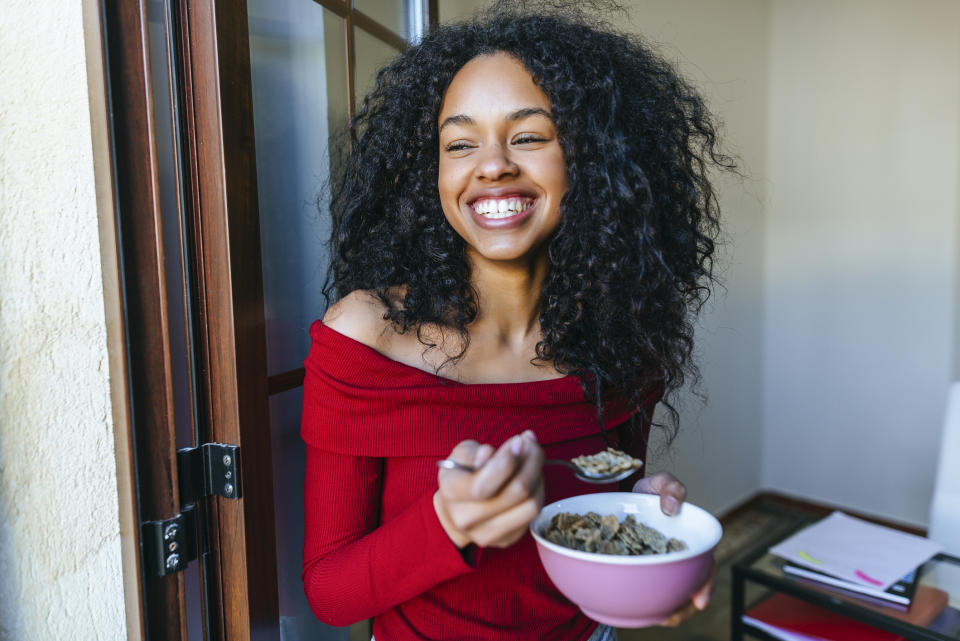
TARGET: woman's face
(502,172)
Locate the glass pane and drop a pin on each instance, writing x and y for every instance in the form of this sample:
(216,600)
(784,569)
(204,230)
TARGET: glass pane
(298,69)
(370,54)
(297,622)
(404,17)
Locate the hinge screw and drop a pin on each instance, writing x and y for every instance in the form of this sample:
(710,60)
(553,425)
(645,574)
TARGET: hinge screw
(173,546)
(170,531)
(173,561)
(227,460)
(228,489)
(228,475)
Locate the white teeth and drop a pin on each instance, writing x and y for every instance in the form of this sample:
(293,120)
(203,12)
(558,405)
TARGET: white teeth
(502,208)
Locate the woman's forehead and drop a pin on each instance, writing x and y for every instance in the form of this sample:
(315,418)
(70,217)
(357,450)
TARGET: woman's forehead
(495,83)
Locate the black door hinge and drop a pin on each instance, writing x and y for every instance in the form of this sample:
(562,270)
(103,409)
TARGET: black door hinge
(208,470)
(170,544)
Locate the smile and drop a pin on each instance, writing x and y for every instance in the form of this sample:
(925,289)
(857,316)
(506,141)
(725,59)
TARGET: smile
(496,208)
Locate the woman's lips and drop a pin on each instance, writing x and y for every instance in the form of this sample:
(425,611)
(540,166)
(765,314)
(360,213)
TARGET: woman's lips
(506,222)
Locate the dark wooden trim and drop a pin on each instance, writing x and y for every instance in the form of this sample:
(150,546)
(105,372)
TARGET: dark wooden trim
(816,508)
(377,30)
(433,16)
(286,381)
(339,8)
(233,339)
(144,294)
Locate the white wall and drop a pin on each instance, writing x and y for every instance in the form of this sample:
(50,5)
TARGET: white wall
(861,248)
(722,47)
(60,573)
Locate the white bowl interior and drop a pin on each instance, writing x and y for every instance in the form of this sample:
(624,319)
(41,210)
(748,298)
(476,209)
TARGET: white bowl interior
(696,527)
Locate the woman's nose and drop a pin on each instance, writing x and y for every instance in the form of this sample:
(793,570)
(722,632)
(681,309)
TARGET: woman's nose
(495,163)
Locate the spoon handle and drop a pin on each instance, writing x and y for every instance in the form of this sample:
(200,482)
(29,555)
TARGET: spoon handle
(601,479)
(450,464)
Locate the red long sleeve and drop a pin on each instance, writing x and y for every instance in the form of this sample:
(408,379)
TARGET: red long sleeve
(355,570)
(374,429)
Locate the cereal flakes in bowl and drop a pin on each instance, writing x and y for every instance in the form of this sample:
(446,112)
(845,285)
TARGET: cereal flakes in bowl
(636,583)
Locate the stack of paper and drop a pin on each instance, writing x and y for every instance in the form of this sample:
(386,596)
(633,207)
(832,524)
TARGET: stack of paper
(841,551)
(857,551)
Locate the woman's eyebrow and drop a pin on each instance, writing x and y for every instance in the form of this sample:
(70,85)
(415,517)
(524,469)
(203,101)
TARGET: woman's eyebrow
(458,119)
(519,114)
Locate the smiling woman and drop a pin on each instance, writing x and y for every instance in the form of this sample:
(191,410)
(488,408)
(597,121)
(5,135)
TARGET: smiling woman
(502,175)
(522,235)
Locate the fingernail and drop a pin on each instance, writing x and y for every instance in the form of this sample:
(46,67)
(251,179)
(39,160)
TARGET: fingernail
(516,446)
(671,506)
(530,435)
(481,456)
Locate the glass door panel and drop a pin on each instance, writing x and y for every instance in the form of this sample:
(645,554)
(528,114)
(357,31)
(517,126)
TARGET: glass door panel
(300,65)
(297,622)
(298,68)
(399,16)
(370,54)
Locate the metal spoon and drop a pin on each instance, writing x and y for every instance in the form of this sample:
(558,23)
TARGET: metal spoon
(450,464)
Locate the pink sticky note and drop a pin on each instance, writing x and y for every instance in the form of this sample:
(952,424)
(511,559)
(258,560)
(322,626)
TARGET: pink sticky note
(866,578)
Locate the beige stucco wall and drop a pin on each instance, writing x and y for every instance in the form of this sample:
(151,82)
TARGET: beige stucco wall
(60,573)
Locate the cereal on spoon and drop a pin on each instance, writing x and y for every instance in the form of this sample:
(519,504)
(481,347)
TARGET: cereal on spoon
(610,461)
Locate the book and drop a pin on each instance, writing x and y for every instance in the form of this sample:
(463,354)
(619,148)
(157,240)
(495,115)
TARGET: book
(791,619)
(928,604)
(899,594)
(856,551)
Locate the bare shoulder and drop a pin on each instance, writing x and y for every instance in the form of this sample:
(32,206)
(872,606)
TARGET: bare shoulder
(359,315)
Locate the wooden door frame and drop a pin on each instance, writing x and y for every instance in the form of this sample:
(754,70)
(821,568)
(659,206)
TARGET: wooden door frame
(143,285)
(215,53)
(228,324)
(213,110)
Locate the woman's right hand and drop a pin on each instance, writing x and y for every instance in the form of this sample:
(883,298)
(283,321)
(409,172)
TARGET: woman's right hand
(492,507)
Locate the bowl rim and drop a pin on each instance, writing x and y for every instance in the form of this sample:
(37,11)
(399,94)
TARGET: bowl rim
(644,559)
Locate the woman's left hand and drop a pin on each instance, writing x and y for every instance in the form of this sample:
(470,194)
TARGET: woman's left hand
(672,493)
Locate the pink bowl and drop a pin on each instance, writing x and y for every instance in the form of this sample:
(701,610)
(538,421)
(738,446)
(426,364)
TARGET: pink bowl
(630,591)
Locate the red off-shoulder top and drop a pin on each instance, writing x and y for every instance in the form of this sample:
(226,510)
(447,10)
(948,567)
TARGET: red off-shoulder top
(374,429)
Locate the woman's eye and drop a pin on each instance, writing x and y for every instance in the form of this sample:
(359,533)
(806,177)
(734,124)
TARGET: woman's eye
(457,146)
(527,139)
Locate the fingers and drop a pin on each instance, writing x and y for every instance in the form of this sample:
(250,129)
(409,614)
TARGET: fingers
(701,597)
(679,616)
(504,465)
(672,492)
(494,505)
(454,483)
(506,527)
(477,506)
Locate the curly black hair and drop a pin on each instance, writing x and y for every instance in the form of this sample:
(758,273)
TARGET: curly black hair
(630,264)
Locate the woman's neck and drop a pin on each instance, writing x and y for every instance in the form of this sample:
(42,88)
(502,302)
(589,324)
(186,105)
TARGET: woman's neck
(509,302)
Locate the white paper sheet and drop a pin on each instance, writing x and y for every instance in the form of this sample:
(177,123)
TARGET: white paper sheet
(856,550)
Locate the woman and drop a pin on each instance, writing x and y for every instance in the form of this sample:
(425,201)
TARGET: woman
(520,235)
